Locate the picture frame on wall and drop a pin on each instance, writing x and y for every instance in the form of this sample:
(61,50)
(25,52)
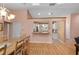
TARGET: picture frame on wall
(40,27)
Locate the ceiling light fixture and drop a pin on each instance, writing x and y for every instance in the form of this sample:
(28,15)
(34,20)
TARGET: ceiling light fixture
(49,13)
(4,13)
(52,4)
(36,4)
(11,16)
(38,14)
(59,3)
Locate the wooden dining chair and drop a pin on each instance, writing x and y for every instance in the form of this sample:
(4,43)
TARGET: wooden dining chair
(19,47)
(26,45)
(3,50)
(77,45)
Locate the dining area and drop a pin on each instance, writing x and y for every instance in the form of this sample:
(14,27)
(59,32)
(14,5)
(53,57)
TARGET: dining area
(15,46)
(12,41)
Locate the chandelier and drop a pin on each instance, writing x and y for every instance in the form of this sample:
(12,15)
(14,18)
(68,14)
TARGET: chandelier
(5,15)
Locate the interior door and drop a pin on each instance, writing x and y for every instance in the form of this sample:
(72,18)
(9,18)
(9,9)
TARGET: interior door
(59,34)
(61,30)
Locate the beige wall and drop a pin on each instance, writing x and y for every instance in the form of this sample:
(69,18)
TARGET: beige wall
(27,27)
(72,22)
(68,27)
(21,17)
(74,25)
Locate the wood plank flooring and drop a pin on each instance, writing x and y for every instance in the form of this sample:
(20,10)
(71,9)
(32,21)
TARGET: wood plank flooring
(51,49)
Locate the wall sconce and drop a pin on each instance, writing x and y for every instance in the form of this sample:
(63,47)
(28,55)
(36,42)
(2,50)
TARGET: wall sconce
(11,17)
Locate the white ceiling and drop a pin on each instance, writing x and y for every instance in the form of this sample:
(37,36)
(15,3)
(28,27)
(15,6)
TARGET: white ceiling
(56,10)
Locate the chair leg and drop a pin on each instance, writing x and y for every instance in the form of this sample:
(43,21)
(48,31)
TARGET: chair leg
(76,50)
(23,52)
(26,52)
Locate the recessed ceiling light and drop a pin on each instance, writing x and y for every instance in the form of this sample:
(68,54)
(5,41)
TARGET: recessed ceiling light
(59,3)
(52,4)
(38,14)
(49,13)
(35,4)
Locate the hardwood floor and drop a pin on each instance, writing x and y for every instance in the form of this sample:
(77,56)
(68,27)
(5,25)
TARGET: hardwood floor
(51,49)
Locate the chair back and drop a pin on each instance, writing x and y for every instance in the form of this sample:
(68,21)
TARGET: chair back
(26,45)
(77,40)
(19,47)
(3,50)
